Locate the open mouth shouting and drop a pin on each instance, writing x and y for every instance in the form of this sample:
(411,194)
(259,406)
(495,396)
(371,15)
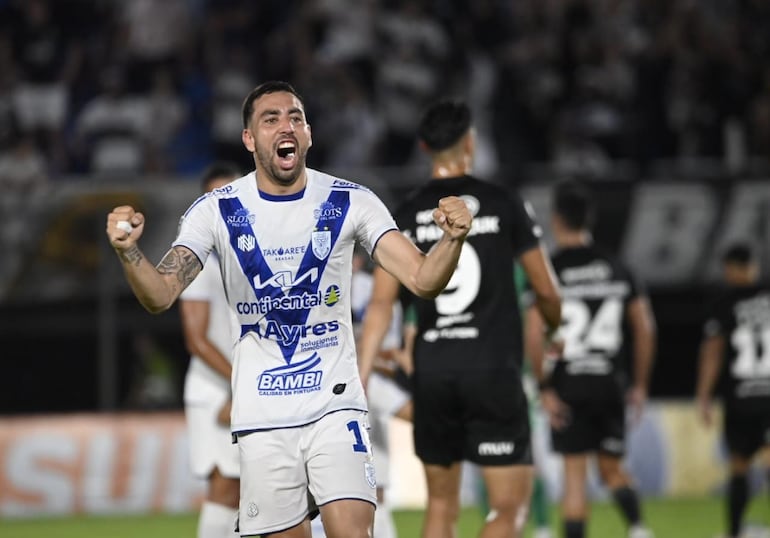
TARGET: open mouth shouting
(287,154)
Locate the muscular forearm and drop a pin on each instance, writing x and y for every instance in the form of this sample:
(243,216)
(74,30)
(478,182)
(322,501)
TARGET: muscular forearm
(644,354)
(710,363)
(211,355)
(537,265)
(437,268)
(645,339)
(534,347)
(375,326)
(550,308)
(158,287)
(148,284)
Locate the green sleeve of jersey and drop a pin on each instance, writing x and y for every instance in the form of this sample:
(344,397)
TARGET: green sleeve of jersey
(410,315)
(520,283)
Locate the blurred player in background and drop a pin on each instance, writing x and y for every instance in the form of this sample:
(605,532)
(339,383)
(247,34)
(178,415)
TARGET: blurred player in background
(207,322)
(385,397)
(585,394)
(736,341)
(540,504)
(285,235)
(469,403)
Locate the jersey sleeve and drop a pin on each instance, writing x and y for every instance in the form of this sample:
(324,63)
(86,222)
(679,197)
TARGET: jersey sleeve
(372,219)
(197,226)
(636,287)
(715,323)
(525,232)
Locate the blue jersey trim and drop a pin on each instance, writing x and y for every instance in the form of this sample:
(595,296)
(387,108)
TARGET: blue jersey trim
(281,197)
(241,433)
(284,326)
(196,202)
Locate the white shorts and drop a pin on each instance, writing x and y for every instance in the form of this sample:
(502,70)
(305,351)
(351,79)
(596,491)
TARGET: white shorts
(287,473)
(211,443)
(385,397)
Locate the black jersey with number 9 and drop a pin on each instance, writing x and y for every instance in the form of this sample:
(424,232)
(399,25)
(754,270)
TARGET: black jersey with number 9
(474,324)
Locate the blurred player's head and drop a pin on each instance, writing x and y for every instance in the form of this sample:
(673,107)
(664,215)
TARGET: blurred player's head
(739,266)
(572,205)
(446,133)
(276,132)
(218,175)
(573,211)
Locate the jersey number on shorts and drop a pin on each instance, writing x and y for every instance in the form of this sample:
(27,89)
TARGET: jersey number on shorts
(359,445)
(753,352)
(584,334)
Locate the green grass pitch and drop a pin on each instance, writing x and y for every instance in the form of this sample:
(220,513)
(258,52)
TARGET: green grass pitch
(689,518)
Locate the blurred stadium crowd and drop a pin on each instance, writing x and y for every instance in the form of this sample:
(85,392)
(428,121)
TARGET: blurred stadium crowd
(155,86)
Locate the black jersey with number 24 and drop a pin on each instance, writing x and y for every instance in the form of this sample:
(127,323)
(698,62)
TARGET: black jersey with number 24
(596,290)
(474,324)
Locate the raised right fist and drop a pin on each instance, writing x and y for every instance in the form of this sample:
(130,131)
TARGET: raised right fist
(124,227)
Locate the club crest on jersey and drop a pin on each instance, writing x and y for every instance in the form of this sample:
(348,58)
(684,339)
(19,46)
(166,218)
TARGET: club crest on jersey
(321,241)
(371,476)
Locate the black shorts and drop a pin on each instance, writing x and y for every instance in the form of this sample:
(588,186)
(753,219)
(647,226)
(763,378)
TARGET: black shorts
(746,432)
(593,426)
(481,417)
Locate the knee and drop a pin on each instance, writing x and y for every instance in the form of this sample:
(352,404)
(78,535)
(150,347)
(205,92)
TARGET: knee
(511,513)
(509,506)
(447,506)
(614,477)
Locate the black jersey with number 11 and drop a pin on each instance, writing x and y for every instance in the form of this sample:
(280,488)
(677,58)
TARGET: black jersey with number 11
(474,324)
(742,316)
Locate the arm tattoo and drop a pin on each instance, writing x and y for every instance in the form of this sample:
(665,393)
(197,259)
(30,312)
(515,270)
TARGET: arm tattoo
(180,261)
(132,255)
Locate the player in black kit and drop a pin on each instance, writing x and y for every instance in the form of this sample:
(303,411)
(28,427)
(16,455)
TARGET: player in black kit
(585,392)
(469,403)
(736,343)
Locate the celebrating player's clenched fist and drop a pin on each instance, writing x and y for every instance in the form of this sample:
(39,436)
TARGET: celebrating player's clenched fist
(124,226)
(453,217)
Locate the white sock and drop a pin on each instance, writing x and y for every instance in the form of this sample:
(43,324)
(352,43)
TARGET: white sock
(384,526)
(216,521)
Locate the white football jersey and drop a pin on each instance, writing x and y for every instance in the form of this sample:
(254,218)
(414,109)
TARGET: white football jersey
(286,262)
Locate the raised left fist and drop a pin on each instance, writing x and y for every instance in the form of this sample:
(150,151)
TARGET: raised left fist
(453,217)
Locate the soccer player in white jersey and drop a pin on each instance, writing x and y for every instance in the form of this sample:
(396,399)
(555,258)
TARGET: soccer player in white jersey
(284,235)
(206,323)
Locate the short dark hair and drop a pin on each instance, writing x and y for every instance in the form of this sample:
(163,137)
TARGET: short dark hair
(444,123)
(219,170)
(738,254)
(271,86)
(572,202)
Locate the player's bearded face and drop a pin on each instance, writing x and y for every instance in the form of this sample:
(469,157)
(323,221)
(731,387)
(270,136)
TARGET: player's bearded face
(281,137)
